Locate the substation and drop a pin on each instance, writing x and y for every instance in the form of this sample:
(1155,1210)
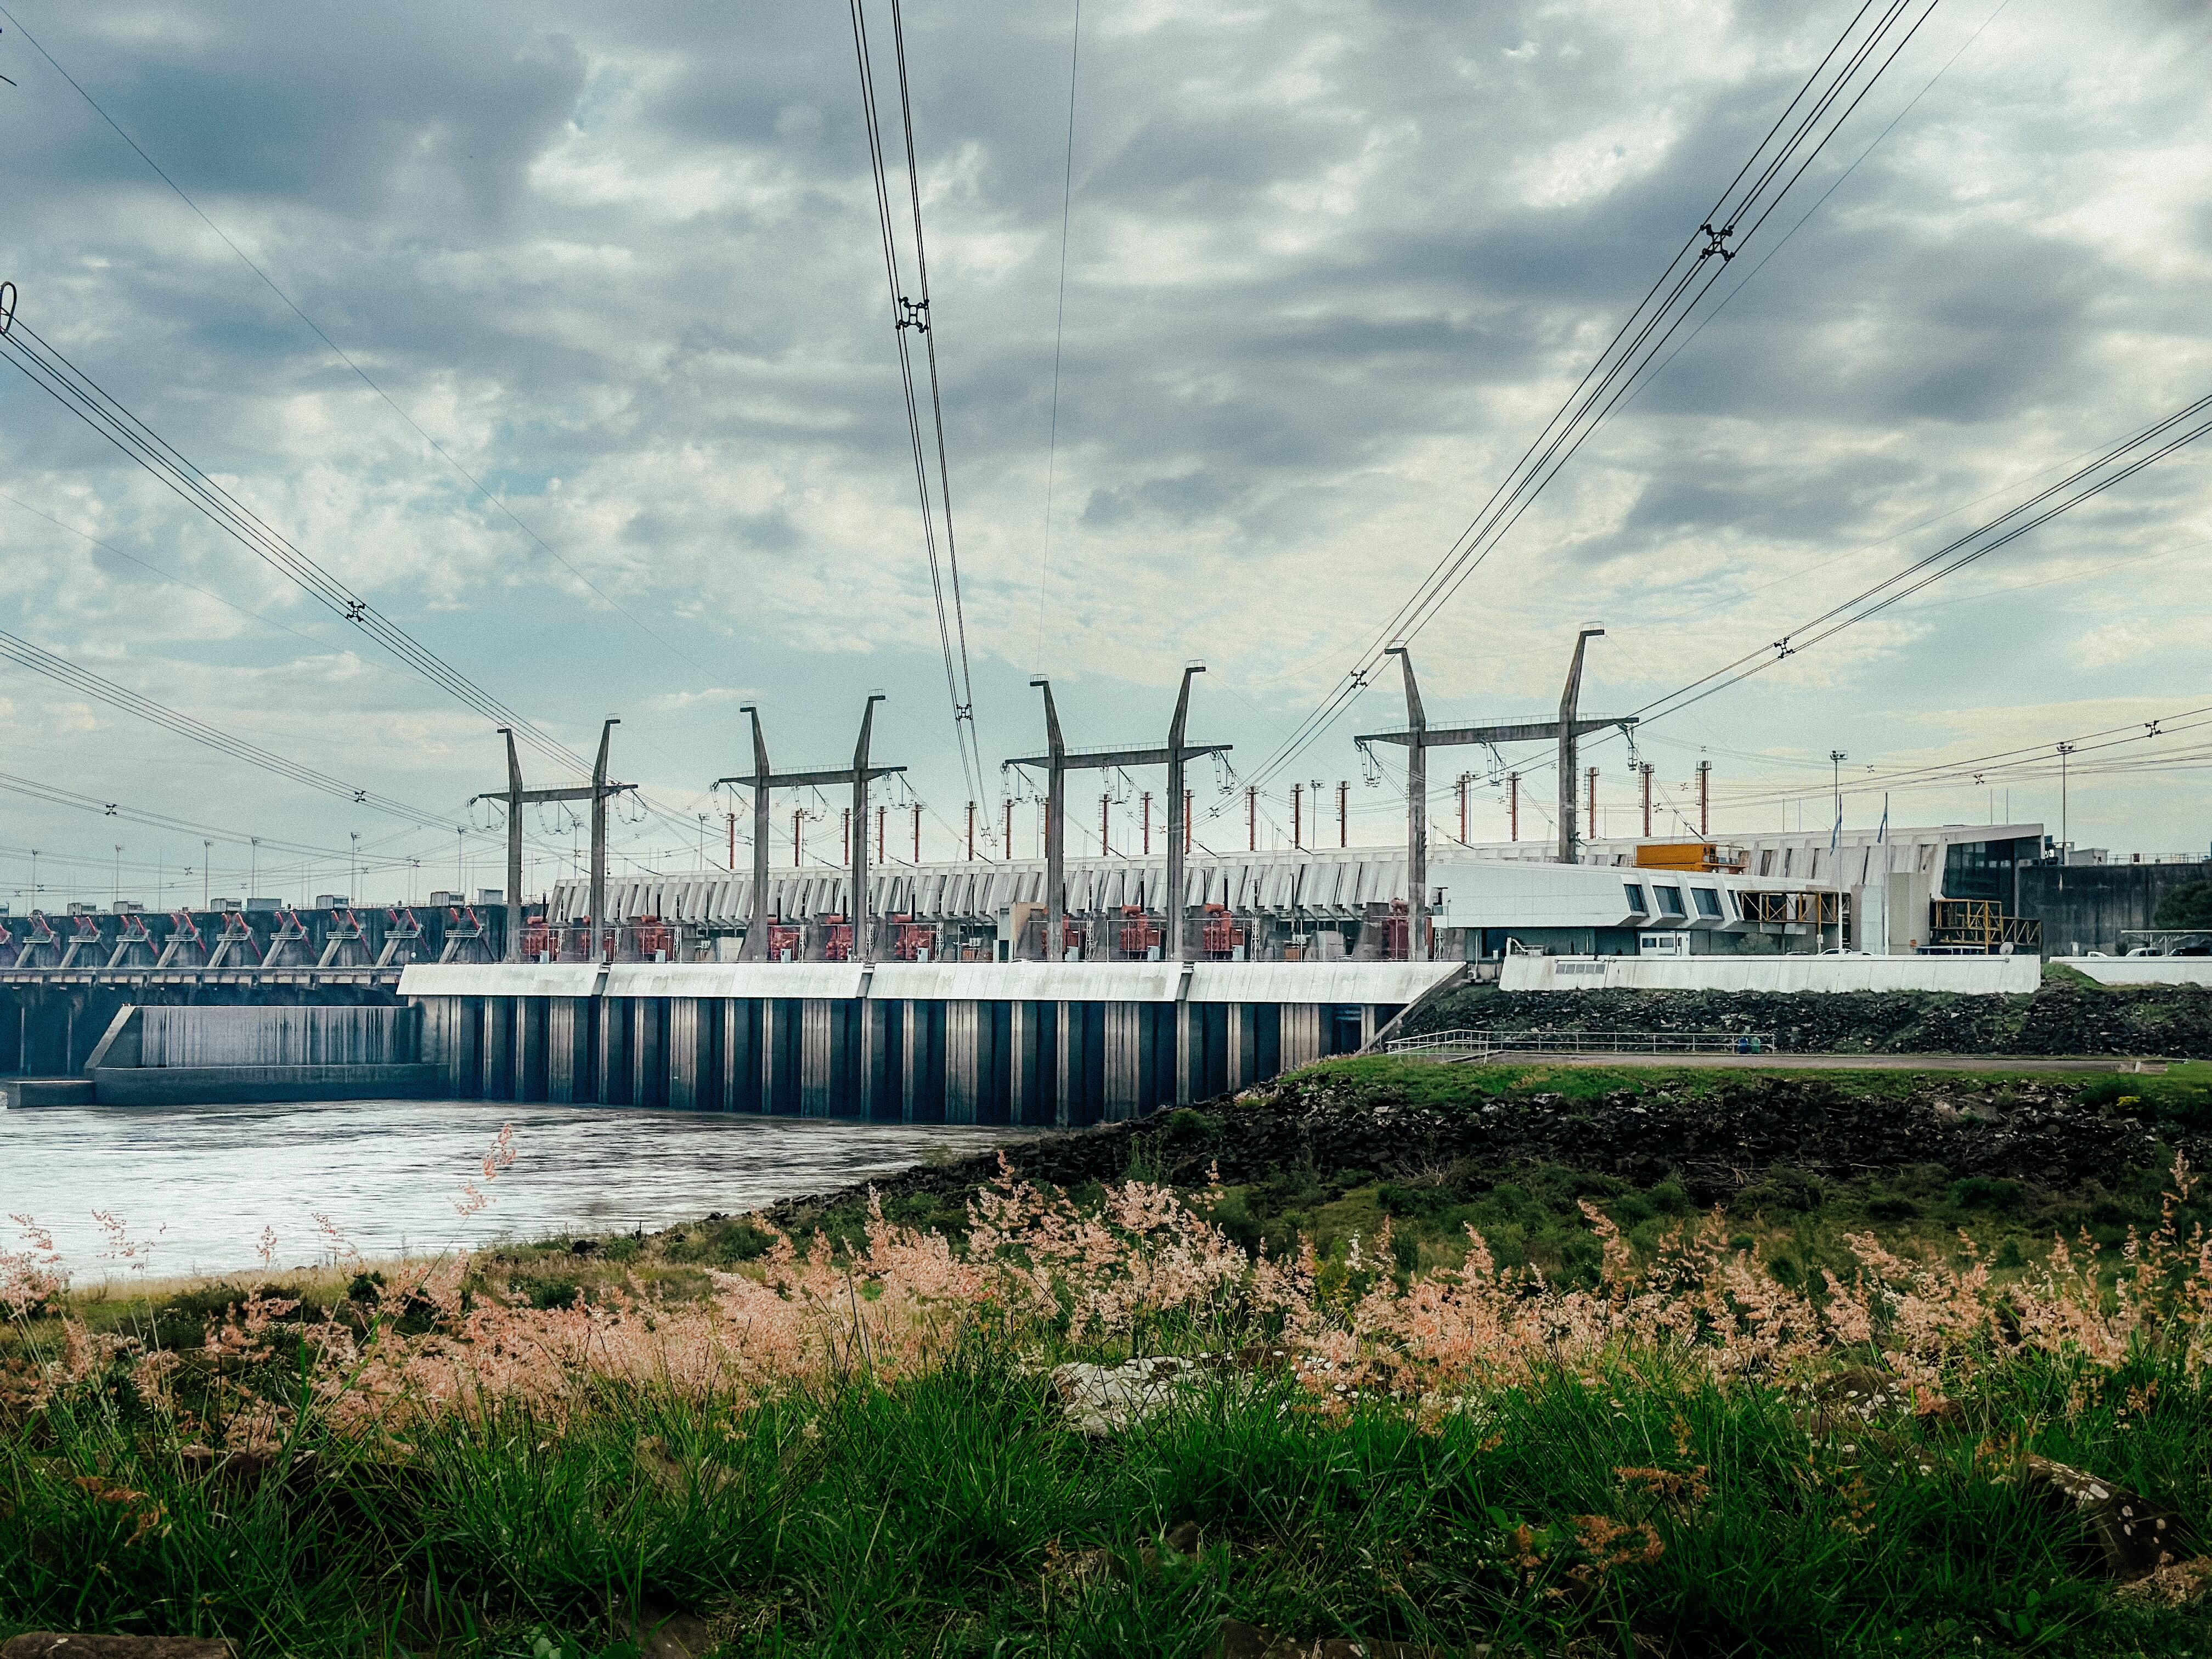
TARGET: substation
(1061,990)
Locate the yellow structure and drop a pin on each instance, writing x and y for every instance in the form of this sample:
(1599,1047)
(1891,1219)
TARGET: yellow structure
(1688,856)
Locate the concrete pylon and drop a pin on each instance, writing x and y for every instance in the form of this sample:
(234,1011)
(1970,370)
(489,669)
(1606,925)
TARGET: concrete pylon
(1417,811)
(864,943)
(1055,827)
(513,848)
(755,945)
(1570,699)
(1172,910)
(600,792)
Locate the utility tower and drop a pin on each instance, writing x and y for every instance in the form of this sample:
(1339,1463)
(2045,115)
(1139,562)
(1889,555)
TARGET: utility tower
(762,780)
(1058,763)
(517,798)
(1419,738)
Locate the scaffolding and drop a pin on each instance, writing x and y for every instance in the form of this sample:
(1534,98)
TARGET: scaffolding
(1981,925)
(1806,907)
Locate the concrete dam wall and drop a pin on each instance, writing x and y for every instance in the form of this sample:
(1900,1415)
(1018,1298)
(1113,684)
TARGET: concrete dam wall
(1059,1044)
(175,1055)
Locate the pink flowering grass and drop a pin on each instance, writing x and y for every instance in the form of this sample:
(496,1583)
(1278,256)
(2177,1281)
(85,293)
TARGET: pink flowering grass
(1144,1271)
(850,1447)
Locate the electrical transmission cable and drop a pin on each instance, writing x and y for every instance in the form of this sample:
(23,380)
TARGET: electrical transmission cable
(1862,54)
(54,795)
(2145,448)
(2116,463)
(914,313)
(475,484)
(85,683)
(566,757)
(85,397)
(92,540)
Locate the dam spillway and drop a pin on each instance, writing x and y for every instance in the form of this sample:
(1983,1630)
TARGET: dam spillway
(1043,1044)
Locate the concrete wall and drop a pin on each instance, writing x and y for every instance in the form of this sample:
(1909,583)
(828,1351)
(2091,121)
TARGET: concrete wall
(172,1055)
(1980,976)
(196,1086)
(2142,970)
(49,1030)
(278,1036)
(2084,907)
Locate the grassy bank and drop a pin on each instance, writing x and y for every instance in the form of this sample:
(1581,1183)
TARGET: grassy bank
(1562,1361)
(1625,1512)
(1794,1162)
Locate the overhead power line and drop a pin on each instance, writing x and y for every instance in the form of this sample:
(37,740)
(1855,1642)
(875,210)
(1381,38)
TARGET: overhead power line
(83,397)
(86,684)
(1853,66)
(475,484)
(910,312)
(2145,448)
(54,795)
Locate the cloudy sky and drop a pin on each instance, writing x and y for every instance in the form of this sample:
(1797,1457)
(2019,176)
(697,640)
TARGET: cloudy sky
(1329,268)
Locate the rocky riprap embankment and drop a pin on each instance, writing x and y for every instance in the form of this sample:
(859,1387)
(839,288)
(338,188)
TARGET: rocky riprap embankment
(2173,1020)
(1715,1139)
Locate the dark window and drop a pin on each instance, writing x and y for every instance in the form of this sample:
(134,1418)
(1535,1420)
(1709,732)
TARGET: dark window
(1635,896)
(1709,902)
(1981,869)
(1670,901)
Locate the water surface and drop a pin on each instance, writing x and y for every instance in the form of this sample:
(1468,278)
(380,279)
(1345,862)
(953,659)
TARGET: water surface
(200,1183)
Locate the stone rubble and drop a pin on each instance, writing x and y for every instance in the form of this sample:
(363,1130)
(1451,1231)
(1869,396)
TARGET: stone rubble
(1102,1399)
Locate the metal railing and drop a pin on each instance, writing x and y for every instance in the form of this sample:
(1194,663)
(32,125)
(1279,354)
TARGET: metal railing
(1483,1043)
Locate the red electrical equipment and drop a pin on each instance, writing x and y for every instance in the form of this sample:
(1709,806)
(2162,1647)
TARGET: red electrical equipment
(585,949)
(782,943)
(838,946)
(1221,936)
(914,941)
(656,940)
(1140,934)
(1395,932)
(539,939)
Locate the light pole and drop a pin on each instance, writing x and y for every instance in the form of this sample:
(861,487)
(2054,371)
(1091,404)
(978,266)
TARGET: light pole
(353,867)
(1836,759)
(119,876)
(2064,750)
(207,856)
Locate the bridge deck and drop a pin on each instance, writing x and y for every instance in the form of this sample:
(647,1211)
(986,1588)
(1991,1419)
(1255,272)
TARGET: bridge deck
(358,974)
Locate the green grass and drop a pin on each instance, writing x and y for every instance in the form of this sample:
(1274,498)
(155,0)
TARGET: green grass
(941,1515)
(864,1521)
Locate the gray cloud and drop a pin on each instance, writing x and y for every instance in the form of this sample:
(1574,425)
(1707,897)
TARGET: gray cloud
(1329,271)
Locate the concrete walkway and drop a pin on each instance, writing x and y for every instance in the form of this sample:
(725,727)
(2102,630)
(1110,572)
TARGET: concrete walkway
(1805,1062)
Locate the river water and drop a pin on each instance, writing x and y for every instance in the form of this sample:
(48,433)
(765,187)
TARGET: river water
(195,1185)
